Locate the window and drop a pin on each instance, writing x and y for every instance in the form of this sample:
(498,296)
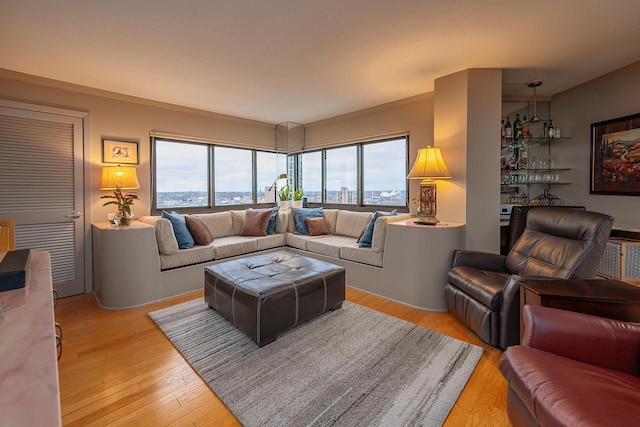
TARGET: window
(268,167)
(384,173)
(310,175)
(191,175)
(364,174)
(341,178)
(233,176)
(182,174)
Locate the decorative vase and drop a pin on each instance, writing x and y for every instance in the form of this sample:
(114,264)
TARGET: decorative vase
(123,219)
(296,204)
(284,204)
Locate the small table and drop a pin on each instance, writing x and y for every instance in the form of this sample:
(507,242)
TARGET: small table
(605,298)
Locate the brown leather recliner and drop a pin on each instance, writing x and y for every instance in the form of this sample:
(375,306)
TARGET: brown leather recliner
(573,369)
(483,292)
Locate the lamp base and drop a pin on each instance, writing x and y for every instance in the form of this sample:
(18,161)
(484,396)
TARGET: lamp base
(427,220)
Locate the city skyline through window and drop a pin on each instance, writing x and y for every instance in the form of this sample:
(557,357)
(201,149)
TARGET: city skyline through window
(367,174)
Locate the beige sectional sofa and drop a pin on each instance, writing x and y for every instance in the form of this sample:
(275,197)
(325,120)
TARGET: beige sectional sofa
(345,228)
(152,268)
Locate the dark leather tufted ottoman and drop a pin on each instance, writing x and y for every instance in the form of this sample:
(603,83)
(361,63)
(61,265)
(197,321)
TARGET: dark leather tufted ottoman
(264,295)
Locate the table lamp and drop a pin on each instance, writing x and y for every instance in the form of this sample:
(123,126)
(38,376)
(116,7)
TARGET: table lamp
(123,177)
(429,165)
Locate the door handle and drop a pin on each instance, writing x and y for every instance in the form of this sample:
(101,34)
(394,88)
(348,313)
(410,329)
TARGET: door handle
(73,215)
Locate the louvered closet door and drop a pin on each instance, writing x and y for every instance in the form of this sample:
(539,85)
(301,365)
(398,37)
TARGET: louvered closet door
(41,189)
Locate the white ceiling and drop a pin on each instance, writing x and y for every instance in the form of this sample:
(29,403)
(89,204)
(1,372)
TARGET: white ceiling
(304,60)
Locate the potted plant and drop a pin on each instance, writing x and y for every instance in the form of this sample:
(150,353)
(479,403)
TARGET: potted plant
(297,198)
(124,216)
(284,195)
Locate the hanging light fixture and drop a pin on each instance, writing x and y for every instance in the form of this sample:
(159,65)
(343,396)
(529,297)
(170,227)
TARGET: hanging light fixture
(534,84)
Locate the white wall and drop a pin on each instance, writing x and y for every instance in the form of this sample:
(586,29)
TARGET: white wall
(467,130)
(613,95)
(119,116)
(413,114)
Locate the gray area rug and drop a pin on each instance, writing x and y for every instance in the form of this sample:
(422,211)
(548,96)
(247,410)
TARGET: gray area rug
(352,367)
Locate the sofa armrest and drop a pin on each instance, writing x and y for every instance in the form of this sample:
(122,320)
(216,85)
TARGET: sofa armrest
(479,260)
(165,237)
(595,340)
(379,237)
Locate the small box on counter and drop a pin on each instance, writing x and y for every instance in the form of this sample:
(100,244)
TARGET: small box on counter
(13,269)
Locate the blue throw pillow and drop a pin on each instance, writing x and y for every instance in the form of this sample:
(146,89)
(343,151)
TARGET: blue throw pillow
(301,214)
(184,238)
(367,236)
(271,226)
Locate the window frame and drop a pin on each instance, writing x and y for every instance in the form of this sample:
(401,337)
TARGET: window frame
(211,207)
(360,205)
(291,167)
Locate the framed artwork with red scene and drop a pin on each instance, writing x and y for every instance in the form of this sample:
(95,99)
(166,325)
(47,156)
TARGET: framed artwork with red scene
(615,156)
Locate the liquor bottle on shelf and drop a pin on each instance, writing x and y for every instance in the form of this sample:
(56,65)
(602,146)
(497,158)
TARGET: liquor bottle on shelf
(523,159)
(525,128)
(508,131)
(517,128)
(558,134)
(502,132)
(551,131)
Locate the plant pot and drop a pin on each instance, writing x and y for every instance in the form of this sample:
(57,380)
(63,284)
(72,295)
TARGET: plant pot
(284,204)
(296,204)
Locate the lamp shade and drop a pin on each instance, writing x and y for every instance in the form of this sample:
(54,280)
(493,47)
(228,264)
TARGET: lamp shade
(429,165)
(124,177)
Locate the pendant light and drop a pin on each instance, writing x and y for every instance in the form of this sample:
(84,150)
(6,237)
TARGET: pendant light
(534,84)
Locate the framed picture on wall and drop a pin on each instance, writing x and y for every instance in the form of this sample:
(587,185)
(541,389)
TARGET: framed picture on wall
(118,151)
(615,156)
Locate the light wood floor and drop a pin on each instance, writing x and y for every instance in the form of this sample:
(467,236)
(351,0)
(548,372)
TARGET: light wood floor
(118,368)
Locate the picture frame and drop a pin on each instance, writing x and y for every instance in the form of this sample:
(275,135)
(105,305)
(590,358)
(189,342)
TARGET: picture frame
(118,151)
(615,156)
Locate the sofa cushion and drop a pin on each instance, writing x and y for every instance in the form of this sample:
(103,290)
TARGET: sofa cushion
(560,391)
(184,238)
(167,243)
(353,252)
(271,227)
(365,240)
(220,223)
(256,222)
(301,214)
(199,230)
(299,240)
(270,241)
(282,221)
(229,246)
(331,216)
(329,245)
(317,226)
(194,255)
(351,223)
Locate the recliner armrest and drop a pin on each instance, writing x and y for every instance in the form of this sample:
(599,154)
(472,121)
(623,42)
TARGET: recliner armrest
(479,260)
(595,340)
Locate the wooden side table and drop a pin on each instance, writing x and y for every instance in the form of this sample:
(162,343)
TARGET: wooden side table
(605,298)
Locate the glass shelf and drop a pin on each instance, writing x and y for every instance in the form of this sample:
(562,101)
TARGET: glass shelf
(533,142)
(529,171)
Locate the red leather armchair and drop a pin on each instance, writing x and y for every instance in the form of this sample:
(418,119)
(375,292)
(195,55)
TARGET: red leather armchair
(573,369)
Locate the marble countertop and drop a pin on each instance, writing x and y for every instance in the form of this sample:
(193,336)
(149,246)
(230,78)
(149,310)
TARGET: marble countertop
(29,393)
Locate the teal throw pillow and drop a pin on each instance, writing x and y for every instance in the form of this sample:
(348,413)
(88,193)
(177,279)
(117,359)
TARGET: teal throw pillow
(367,236)
(301,214)
(184,238)
(271,226)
